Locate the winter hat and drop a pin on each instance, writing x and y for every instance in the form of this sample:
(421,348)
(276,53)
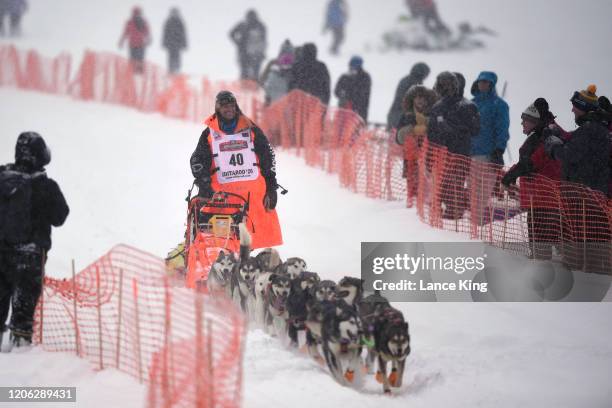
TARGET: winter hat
(586,100)
(531,114)
(538,112)
(446,84)
(356,62)
(31,149)
(225,97)
(420,70)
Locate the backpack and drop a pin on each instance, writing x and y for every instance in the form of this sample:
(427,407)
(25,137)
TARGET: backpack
(15,206)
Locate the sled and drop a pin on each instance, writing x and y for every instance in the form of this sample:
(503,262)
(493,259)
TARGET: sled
(212,226)
(411,33)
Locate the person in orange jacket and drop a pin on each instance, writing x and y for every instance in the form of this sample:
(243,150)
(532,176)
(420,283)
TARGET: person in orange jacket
(234,155)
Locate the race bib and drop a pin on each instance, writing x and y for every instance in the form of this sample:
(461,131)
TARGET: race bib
(234,157)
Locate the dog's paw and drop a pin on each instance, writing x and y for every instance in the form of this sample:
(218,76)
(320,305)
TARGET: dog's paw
(349,375)
(393,378)
(379,377)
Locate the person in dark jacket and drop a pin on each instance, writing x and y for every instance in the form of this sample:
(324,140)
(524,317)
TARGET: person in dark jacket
(540,177)
(35,203)
(606,108)
(418,74)
(584,157)
(453,122)
(311,75)
(353,88)
(251,39)
(335,20)
(234,155)
(136,32)
(14,9)
(174,40)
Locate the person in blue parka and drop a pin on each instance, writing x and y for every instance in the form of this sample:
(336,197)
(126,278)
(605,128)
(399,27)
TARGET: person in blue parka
(489,145)
(494,120)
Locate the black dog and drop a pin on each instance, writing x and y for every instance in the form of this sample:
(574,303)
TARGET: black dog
(301,288)
(392,343)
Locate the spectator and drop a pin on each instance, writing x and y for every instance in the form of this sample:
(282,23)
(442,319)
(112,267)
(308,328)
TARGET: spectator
(428,11)
(418,74)
(453,123)
(311,75)
(174,40)
(30,203)
(247,168)
(251,40)
(335,20)
(539,177)
(489,146)
(353,89)
(276,76)
(14,9)
(604,104)
(412,129)
(584,157)
(136,32)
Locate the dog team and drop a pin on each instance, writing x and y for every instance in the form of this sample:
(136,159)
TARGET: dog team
(335,319)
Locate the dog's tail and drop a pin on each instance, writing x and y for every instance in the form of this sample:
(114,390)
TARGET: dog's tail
(245,242)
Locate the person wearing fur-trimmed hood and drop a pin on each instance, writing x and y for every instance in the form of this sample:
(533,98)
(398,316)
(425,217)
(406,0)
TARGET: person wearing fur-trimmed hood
(234,155)
(411,130)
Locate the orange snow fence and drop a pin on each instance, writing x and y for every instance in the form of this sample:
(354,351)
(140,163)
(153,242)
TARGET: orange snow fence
(537,218)
(449,191)
(123,312)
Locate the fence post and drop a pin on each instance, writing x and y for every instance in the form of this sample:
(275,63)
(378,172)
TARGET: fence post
(119,320)
(42,297)
(532,240)
(99,306)
(167,344)
(211,373)
(562,231)
(77,339)
(584,235)
(507,197)
(199,347)
(137,323)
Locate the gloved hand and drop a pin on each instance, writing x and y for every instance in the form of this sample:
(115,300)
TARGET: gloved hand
(507,180)
(497,157)
(204,188)
(550,143)
(271,197)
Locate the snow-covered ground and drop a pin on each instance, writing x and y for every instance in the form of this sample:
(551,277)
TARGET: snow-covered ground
(125,175)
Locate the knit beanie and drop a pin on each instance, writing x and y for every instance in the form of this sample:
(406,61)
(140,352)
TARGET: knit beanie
(586,100)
